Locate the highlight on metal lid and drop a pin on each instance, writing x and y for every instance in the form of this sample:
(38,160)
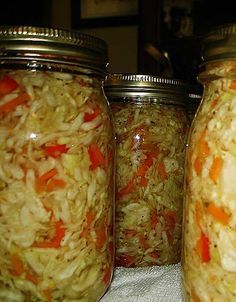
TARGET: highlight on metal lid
(219,43)
(133,84)
(53,45)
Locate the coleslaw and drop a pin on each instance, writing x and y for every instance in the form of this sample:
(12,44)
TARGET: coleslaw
(150,165)
(209,257)
(56,187)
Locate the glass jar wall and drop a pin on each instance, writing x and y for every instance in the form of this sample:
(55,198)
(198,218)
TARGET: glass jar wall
(209,245)
(150,125)
(56,167)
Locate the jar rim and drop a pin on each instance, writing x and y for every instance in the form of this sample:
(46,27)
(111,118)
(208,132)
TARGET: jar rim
(118,84)
(219,43)
(53,45)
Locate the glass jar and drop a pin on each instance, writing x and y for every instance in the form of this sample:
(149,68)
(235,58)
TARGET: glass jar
(209,245)
(192,105)
(150,125)
(56,167)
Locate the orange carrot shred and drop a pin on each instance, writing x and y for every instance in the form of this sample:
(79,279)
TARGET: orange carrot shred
(233,85)
(56,240)
(214,103)
(90,216)
(48,294)
(218,213)
(55,183)
(198,166)
(162,171)
(17,265)
(11,105)
(216,168)
(195,297)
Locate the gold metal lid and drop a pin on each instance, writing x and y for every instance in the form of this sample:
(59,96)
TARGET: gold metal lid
(51,45)
(146,85)
(219,43)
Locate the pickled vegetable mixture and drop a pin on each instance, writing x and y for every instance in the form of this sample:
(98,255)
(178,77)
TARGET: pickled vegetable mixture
(209,250)
(55,188)
(150,164)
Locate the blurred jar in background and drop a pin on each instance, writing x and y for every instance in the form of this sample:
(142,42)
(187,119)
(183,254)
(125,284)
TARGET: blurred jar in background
(151,125)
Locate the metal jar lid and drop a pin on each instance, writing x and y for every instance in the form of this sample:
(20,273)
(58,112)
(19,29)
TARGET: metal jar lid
(131,85)
(57,46)
(219,43)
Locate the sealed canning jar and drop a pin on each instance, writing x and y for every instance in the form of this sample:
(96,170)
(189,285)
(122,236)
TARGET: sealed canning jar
(209,245)
(150,125)
(56,171)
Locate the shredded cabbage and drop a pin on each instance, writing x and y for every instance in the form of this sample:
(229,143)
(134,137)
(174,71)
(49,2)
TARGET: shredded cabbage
(56,188)
(150,164)
(209,245)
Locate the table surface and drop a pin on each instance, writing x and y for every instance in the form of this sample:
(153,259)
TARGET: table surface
(149,284)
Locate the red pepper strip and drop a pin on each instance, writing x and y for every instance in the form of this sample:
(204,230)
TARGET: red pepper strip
(55,151)
(101,236)
(154,255)
(48,295)
(170,222)
(32,277)
(126,190)
(17,265)
(56,241)
(11,105)
(145,165)
(203,248)
(7,85)
(154,219)
(107,276)
(88,117)
(143,242)
(143,182)
(96,156)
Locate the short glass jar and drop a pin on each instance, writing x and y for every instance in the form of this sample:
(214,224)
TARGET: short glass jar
(209,245)
(151,125)
(56,167)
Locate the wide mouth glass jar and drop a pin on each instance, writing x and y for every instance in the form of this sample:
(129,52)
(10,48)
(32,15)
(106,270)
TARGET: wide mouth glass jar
(150,125)
(209,236)
(56,167)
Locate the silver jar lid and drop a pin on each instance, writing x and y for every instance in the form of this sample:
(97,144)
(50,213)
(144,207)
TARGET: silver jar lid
(219,43)
(125,85)
(51,45)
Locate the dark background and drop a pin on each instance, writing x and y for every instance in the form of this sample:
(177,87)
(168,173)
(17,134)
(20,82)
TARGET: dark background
(184,52)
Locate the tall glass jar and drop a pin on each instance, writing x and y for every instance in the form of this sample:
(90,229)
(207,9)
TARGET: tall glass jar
(150,125)
(209,245)
(56,167)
